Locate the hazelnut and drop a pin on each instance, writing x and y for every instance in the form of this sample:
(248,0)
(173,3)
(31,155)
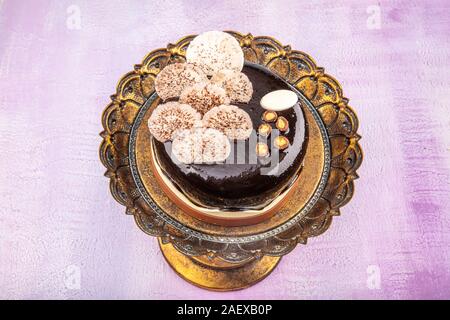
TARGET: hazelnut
(262,149)
(265,129)
(282,124)
(281,142)
(269,116)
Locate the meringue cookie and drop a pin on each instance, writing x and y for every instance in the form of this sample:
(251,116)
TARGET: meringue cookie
(213,51)
(229,119)
(200,145)
(236,84)
(174,78)
(169,117)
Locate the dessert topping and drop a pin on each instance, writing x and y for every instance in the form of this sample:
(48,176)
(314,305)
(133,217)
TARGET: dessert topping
(282,124)
(281,142)
(279,100)
(236,84)
(204,96)
(200,145)
(214,51)
(262,149)
(174,78)
(229,119)
(265,129)
(269,116)
(169,117)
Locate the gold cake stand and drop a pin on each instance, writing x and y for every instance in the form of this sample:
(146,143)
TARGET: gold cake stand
(220,257)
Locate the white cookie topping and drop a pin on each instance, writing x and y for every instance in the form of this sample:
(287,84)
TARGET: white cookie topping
(214,51)
(279,100)
(231,120)
(200,145)
(204,96)
(236,84)
(169,117)
(174,78)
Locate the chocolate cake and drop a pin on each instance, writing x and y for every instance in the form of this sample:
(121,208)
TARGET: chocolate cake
(265,156)
(236,185)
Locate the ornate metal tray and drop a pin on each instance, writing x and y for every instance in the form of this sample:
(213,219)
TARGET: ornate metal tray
(219,257)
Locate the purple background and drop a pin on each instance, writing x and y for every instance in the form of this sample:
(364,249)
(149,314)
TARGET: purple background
(57,214)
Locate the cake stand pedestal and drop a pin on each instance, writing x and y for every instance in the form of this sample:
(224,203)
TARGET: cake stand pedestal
(215,274)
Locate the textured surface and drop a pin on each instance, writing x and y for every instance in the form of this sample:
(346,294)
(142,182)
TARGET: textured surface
(63,236)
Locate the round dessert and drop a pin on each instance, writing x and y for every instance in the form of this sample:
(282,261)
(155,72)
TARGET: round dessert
(259,168)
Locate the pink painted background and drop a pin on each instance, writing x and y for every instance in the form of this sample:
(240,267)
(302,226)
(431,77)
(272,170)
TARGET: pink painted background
(59,223)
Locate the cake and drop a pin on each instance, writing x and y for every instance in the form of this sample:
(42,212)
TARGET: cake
(234,142)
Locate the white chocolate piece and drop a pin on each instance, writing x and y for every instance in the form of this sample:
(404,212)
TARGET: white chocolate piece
(279,100)
(213,51)
(200,145)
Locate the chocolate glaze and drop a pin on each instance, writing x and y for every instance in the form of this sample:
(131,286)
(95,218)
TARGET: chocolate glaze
(239,183)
